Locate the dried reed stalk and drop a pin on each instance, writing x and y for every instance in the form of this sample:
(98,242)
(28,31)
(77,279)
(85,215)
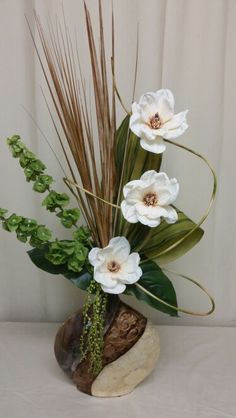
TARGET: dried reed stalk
(62,72)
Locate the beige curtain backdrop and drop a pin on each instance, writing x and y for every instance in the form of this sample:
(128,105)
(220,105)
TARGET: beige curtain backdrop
(187,46)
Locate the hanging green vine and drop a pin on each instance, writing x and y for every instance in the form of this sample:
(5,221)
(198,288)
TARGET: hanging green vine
(91,342)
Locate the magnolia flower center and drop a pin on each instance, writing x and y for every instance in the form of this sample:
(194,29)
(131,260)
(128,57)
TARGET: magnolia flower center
(113,267)
(155,121)
(150,199)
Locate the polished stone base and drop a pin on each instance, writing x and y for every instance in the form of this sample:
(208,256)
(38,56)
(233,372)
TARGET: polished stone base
(122,375)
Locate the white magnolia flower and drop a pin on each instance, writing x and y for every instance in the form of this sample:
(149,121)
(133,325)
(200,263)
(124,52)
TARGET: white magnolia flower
(114,266)
(153,118)
(147,200)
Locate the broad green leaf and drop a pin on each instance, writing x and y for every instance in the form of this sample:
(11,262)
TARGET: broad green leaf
(160,238)
(37,256)
(156,282)
(166,235)
(137,162)
(80,280)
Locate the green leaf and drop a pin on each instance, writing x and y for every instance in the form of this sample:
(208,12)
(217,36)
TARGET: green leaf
(37,256)
(17,149)
(121,136)
(55,200)
(138,161)
(26,158)
(29,174)
(82,234)
(42,183)
(156,282)
(3,213)
(13,140)
(22,236)
(81,251)
(37,166)
(43,234)
(81,280)
(166,235)
(74,264)
(27,226)
(11,224)
(69,217)
(59,252)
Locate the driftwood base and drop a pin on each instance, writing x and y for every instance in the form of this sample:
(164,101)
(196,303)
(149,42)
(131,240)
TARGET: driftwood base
(131,350)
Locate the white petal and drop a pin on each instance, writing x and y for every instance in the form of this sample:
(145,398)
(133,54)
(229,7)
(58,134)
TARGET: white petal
(114,242)
(136,124)
(164,196)
(166,106)
(135,195)
(168,194)
(152,176)
(121,248)
(148,100)
(176,126)
(134,184)
(152,223)
(142,209)
(166,94)
(131,264)
(148,133)
(135,108)
(130,278)
(119,288)
(177,120)
(104,278)
(150,212)
(156,146)
(157,212)
(93,256)
(175,133)
(129,212)
(172,215)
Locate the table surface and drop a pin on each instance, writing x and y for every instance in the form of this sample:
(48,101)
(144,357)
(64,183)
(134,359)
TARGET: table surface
(195,377)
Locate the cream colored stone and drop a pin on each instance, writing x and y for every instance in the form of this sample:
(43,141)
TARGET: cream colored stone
(121,376)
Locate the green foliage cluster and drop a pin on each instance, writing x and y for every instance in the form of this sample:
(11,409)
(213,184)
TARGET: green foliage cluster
(34,171)
(66,256)
(72,253)
(33,167)
(27,230)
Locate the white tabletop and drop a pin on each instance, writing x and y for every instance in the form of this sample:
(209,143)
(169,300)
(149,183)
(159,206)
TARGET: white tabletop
(195,377)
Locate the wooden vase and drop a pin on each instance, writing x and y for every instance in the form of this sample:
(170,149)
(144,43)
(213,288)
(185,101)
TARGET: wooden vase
(131,350)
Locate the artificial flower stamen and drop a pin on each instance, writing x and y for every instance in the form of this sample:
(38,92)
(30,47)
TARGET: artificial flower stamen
(113,266)
(155,121)
(150,199)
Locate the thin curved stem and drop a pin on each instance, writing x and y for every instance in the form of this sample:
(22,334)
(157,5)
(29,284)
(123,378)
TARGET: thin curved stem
(186,311)
(116,89)
(203,218)
(66,180)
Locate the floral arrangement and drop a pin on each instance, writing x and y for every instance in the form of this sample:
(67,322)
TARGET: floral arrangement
(130,225)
